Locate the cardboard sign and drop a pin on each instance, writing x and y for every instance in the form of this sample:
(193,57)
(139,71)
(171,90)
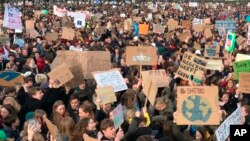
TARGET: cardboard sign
(242,57)
(241,40)
(143,29)
(241,66)
(78,77)
(90,61)
(197,105)
(191,67)
(212,51)
(150,90)
(4,39)
(11,78)
(208,33)
(62,74)
(211,27)
(53,36)
(169,35)
(101,30)
(33,33)
(223,131)
(186,24)
(68,33)
(172,25)
(118,116)
(214,65)
(88,138)
(197,46)
(207,21)
(159,77)
(185,36)
(110,78)
(29,24)
(128,24)
(199,27)
(141,56)
(106,94)
(244,85)
(158,29)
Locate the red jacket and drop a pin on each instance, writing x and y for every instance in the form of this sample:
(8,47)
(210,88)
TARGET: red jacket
(40,63)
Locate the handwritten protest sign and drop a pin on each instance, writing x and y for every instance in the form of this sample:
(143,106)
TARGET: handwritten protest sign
(214,65)
(199,27)
(11,78)
(197,105)
(62,74)
(143,29)
(90,61)
(197,21)
(150,90)
(78,78)
(172,24)
(158,29)
(33,33)
(118,116)
(110,78)
(53,36)
(242,57)
(225,25)
(212,51)
(185,36)
(141,56)
(207,21)
(244,85)
(12,17)
(68,33)
(191,67)
(241,66)
(197,46)
(159,77)
(208,33)
(223,131)
(106,94)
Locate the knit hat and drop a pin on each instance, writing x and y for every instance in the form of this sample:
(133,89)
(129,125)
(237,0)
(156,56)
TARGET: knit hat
(3,136)
(29,116)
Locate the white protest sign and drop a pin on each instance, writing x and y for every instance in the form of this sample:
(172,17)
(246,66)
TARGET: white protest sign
(110,78)
(223,131)
(59,12)
(12,18)
(242,57)
(193,4)
(248,36)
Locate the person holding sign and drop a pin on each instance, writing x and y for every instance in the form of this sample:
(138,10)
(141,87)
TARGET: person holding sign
(107,129)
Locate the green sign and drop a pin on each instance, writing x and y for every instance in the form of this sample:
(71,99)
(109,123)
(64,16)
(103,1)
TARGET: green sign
(230,42)
(44,12)
(241,66)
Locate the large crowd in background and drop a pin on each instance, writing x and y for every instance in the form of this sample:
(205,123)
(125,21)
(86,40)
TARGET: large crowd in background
(77,111)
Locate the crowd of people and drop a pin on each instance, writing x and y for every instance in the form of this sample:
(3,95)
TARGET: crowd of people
(27,110)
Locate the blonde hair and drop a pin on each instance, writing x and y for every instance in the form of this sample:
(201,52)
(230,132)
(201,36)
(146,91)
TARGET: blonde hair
(130,114)
(40,78)
(12,102)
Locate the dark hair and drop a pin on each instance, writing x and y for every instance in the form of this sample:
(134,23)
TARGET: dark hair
(9,108)
(10,89)
(145,138)
(32,91)
(10,119)
(27,79)
(73,96)
(81,127)
(106,123)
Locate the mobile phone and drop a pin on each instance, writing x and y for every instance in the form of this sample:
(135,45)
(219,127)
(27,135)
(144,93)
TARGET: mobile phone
(32,122)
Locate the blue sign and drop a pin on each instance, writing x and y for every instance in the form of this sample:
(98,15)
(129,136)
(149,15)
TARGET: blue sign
(9,75)
(226,25)
(248,18)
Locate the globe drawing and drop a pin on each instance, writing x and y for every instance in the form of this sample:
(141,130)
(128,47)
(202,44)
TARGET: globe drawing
(196,109)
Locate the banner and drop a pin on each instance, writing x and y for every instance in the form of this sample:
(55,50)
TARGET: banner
(224,26)
(223,131)
(197,105)
(158,29)
(118,116)
(11,78)
(244,85)
(159,77)
(106,94)
(212,51)
(12,18)
(110,78)
(90,61)
(214,65)
(141,56)
(241,66)
(230,42)
(62,74)
(59,12)
(192,67)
